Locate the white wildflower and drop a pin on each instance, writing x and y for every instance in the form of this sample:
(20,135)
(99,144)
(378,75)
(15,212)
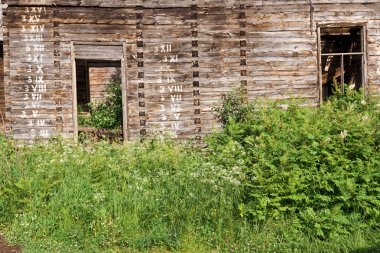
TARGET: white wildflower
(99,197)
(363,102)
(365,117)
(351,87)
(343,134)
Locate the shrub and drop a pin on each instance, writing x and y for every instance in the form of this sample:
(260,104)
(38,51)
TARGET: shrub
(318,167)
(108,114)
(296,180)
(232,106)
(84,120)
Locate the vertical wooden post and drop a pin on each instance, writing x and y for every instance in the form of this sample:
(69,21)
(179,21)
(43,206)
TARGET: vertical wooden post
(243,52)
(319,62)
(124,92)
(74,92)
(197,90)
(364,60)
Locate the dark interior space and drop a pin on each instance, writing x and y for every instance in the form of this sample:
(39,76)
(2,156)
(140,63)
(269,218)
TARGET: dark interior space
(93,77)
(341,40)
(341,59)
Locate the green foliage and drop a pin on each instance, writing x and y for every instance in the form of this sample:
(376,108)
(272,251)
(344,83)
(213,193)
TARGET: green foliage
(232,107)
(84,120)
(317,166)
(348,97)
(103,197)
(107,114)
(274,180)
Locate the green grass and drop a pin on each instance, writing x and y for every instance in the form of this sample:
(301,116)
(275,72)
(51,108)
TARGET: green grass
(161,196)
(151,197)
(103,196)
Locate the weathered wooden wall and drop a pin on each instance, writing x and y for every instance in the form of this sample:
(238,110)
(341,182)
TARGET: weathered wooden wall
(99,79)
(282,54)
(1,21)
(2,90)
(180,56)
(365,12)
(2,96)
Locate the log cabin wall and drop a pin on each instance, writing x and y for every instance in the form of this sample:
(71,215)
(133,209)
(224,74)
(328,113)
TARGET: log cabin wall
(179,57)
(2,90)
(99,78)
(363,13)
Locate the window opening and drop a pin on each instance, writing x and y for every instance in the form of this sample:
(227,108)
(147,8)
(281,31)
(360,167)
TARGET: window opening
(342,59)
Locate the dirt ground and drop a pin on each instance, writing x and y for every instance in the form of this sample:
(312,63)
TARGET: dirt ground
(5,248)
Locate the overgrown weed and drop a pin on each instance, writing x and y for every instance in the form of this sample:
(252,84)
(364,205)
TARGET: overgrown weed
(299,179)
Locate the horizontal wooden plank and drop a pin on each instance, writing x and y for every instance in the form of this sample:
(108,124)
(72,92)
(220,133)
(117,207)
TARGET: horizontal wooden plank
(206,50)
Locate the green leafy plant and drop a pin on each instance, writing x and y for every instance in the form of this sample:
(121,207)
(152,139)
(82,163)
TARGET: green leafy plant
(299,179)
(318,166)
(84,119)
(108,114)
(232,106)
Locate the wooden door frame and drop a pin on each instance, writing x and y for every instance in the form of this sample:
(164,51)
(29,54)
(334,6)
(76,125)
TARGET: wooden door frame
(123,63)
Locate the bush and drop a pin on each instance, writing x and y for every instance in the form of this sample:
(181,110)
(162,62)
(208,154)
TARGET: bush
(318,167)
(232,107)
(109,113)
(296,180)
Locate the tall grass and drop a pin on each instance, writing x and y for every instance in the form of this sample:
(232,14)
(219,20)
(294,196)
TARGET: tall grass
(108,197)
(252,190)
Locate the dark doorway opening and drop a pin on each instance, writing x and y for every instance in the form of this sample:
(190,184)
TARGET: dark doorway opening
(93,78)
(99,99)
(94,66)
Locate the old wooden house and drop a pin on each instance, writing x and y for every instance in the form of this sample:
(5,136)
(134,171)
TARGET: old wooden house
(175,58)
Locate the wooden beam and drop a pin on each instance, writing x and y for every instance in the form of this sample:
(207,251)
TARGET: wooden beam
(74,92)
(319,49)
(124,92)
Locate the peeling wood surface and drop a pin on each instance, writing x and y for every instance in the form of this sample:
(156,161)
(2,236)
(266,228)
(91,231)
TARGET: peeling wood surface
(180,56)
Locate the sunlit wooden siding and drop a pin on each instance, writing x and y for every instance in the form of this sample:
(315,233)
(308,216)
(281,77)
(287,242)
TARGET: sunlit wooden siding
(180,57)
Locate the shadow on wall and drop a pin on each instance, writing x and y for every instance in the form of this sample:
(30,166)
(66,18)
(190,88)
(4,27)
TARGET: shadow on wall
(2,124)
(374,249)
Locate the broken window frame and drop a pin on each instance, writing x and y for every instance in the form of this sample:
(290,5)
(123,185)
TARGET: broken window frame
(363,53)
